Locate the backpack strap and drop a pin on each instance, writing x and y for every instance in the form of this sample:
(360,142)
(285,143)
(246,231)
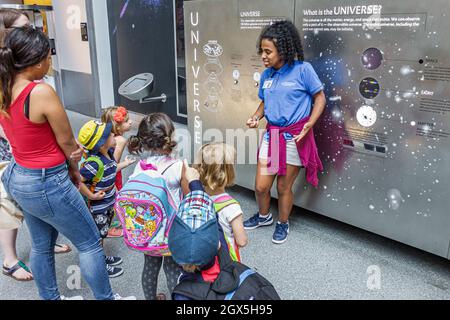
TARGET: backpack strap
(170,166)
(242,278)
(192,290)
(148,166)
(100,171)
(223,202)
(220,204)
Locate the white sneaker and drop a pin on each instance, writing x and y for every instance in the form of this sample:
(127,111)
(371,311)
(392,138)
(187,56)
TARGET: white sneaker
(72,298)
(118,297)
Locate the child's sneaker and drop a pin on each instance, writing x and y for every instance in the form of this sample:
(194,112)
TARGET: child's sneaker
(116,224)
(257,221)
(113,261)
(114,272)
(115,233)
(281,233)
(118,297)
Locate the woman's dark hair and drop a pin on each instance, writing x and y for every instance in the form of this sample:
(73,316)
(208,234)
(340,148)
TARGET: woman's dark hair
(155,133)
(24,47)
(286,39)
(7,19)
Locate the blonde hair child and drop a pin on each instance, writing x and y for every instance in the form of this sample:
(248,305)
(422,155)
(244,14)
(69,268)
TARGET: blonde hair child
(215,164)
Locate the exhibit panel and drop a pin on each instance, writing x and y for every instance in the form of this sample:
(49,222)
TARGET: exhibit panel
(224,70)
(384,136)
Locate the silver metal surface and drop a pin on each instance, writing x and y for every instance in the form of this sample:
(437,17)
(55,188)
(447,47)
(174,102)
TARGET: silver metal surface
(137,87)
(384,138)
(162,98)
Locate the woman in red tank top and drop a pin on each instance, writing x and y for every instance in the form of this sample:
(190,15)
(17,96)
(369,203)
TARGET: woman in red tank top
(43,176)
(12,266)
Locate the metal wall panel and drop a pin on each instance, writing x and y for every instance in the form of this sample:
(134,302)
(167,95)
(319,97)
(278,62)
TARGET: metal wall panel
(385,150)
(384,136)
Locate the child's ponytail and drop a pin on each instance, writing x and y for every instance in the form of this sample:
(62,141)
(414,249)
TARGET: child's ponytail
(169,145)
(154,134)
(135,145)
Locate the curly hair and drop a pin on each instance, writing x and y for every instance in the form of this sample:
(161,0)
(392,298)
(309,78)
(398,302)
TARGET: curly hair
(286,39)
(154,134)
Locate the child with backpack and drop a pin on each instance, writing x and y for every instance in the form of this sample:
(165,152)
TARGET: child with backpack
(148,202)
(209,273)
(215,164)
(121,124)
(98,175)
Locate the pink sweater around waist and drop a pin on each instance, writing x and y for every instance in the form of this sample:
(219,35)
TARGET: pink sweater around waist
(307,150)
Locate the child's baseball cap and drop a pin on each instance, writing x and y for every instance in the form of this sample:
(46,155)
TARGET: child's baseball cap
(194,235)
(94,134)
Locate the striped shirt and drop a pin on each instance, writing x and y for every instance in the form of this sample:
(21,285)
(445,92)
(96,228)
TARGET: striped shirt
(107,184)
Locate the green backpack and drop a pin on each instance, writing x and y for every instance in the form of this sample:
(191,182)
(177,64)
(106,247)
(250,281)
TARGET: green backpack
(98,176)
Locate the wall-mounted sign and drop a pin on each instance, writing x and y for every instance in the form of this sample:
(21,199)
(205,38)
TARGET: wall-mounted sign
(84,31)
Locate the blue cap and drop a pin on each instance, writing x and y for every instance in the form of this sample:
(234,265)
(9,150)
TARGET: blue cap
(194,235)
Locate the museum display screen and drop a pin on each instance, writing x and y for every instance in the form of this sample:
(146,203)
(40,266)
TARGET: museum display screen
(136,84)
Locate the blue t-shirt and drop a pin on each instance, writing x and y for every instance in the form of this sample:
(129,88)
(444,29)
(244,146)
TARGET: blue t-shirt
(288,93)
(88,172)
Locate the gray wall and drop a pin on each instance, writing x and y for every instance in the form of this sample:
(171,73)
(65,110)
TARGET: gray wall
(74,69)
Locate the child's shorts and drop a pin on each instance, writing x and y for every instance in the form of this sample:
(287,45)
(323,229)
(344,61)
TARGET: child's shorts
(103,221)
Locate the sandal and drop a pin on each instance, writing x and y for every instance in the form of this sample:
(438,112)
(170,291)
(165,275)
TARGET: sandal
(9,272)
(62,248)
(115,233)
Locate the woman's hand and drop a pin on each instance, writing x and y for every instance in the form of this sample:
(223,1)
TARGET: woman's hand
(78,154)
(308,126)
(253,123)
(75,177)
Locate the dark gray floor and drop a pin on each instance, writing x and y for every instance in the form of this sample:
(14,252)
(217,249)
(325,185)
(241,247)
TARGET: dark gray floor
(323,259)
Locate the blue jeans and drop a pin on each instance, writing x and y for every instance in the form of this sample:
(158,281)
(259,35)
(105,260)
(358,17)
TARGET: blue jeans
(51,204)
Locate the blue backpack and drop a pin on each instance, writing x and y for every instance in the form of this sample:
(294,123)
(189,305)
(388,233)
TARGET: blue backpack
(146,210)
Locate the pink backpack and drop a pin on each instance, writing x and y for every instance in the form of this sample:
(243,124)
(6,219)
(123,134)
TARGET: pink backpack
(146,210)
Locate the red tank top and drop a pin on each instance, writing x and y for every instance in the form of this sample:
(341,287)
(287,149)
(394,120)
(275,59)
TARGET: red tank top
(34,146)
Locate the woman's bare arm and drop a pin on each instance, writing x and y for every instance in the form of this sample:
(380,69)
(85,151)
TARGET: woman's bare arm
(46,103)
(121,143)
